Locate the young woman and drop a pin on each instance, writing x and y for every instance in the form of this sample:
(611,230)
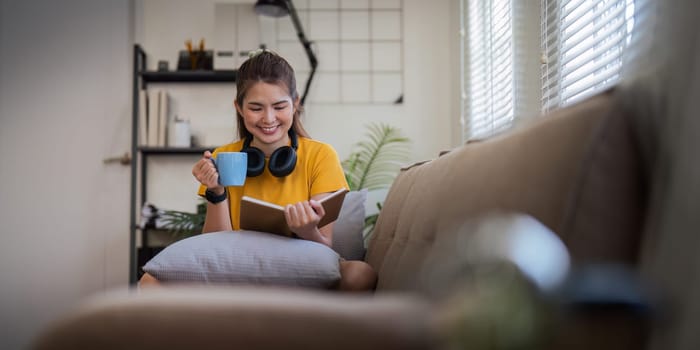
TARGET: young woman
(285,164)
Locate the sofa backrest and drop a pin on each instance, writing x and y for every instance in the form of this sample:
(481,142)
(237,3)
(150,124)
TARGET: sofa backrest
(577,171)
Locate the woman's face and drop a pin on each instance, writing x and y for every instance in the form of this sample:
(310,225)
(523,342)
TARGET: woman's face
(268,112)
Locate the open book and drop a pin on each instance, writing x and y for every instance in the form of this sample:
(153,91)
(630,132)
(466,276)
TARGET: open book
(259,215)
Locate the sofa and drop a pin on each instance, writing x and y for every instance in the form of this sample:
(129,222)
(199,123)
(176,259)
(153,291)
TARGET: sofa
(576,172)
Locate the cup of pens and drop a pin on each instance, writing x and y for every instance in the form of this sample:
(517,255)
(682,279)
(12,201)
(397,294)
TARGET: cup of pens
(194,59)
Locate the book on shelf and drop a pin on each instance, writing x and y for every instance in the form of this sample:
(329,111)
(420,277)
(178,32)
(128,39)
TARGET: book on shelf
(153,103)
(263,216)
(162,118)
(143,118)
(153,117)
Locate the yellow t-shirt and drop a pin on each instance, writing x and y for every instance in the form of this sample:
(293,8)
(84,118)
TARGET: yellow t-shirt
(318,170)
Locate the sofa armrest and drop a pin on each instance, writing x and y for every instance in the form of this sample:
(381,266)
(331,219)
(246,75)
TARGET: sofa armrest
(185,317)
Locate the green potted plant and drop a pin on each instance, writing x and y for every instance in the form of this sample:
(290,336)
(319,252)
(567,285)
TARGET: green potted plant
(374,163)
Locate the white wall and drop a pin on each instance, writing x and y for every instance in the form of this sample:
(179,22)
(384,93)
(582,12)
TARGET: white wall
(429,114)
(65,88)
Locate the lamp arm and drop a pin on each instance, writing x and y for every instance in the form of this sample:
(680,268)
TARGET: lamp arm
(305,43)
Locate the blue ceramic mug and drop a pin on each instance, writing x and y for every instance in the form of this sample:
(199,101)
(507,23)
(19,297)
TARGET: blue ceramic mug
(232,167)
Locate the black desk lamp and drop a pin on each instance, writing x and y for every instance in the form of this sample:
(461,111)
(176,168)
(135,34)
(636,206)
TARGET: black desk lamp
(279,8)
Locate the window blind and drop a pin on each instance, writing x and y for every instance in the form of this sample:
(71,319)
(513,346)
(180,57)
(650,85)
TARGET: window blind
(500,64)
(583,43)
(488,88)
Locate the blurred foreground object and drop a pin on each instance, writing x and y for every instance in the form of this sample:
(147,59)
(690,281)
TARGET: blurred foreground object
(504,268)
(603,306)
(515,289)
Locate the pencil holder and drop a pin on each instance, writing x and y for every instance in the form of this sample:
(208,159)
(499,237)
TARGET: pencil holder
(194,60)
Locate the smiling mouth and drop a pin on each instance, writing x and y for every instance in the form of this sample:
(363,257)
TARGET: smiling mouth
(269,130)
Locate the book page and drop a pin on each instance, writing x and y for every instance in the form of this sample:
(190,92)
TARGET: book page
(259,215)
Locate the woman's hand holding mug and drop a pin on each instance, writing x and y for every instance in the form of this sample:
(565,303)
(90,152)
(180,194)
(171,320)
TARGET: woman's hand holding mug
(205,172)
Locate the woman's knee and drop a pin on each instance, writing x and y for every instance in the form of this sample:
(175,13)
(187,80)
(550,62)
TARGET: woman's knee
(147,280)
(357,276)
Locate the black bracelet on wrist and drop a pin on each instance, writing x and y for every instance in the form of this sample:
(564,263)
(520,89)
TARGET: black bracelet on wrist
(214,198)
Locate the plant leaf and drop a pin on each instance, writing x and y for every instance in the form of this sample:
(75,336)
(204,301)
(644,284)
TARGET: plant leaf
(376,161)
(183,224)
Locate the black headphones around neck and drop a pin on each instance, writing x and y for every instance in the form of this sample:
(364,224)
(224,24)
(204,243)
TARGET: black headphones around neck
(282,161)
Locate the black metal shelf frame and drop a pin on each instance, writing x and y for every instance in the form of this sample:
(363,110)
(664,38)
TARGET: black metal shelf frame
(193,76)
(174,150)
(139,66)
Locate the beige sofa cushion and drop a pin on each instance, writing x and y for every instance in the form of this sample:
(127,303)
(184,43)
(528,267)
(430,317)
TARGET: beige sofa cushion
(218,317)
(576,171)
